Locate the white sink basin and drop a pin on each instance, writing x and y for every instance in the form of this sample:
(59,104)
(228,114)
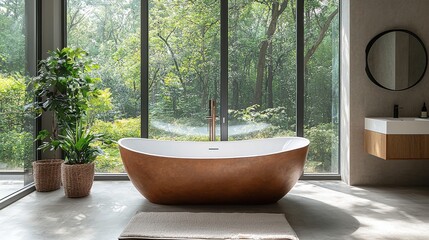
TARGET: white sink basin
(398,125)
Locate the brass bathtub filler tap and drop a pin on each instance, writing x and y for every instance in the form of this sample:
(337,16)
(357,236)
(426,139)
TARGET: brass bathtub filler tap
(212,120)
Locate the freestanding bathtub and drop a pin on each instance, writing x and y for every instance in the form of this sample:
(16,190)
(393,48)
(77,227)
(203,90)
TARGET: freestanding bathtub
(231,172)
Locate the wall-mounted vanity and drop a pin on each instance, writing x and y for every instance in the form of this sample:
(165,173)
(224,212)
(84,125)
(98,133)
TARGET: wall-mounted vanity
(396,60)
(397,138)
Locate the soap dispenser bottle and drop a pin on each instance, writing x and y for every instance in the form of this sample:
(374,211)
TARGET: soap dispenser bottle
(424,113)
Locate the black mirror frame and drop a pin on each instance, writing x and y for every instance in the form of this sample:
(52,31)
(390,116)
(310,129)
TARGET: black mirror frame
(374,39)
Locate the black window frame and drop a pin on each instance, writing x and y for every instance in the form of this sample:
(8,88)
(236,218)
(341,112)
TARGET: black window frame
(300,74)
(28,186)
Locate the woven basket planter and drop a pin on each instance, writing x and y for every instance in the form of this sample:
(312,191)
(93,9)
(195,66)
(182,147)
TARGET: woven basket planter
(47,174)
(77,179)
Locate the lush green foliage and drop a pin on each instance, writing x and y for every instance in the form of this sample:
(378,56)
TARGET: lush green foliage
(16,136)
(111,161)
(63,86)
(110,32)
(16,149)
(12,37)
(78,144)
(12,98)
(323,154)
(184,70)
(16,127)
(324,141)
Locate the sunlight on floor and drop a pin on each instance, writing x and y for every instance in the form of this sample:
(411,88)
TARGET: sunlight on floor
(314,209)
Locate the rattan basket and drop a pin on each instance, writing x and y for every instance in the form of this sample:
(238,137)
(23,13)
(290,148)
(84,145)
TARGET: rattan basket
(47,174)
(77,179)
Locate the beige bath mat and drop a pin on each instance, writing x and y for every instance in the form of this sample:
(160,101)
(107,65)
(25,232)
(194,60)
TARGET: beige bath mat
(184,225)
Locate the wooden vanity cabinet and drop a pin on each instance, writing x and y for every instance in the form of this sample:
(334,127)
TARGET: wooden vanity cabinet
(397,146)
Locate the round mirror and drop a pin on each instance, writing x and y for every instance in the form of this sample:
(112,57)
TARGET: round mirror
(396,59)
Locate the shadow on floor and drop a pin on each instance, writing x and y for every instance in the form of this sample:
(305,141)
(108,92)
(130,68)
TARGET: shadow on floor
(395,203)
(312,219)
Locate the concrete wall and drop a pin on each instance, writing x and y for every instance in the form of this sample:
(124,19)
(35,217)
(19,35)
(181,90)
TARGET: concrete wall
(361,21)
(51,26)
(51,40)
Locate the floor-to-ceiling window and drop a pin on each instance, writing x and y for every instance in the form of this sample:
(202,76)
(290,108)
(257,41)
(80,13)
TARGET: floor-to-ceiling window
(262,69)
(109,30)
(17,62)
(321,84)
(182,69)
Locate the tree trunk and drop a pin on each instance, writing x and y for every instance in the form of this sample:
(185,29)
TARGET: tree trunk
(320,37)
(270,103)
(174,103)
(173,56)
(276,10)
(260,73)
(317,43)
(204,92)
(235,94)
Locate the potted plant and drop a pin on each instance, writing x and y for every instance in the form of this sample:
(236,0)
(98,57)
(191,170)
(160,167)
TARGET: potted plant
(62,87)
(77,171)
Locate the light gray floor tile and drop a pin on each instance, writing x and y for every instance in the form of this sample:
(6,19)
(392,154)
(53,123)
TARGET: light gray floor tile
(315,209)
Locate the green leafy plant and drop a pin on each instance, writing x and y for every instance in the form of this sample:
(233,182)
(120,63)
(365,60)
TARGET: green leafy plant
(64,87)
(78,144)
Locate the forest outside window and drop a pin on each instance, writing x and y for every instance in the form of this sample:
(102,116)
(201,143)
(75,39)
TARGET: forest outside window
(109,30)
(18,60)
(185,61)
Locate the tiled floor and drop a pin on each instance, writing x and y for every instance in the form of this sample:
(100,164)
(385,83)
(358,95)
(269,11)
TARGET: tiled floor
(315,209)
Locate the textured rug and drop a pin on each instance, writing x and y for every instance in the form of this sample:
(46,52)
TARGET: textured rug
(185,225)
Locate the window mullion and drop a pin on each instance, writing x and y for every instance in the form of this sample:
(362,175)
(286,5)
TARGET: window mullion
(300,68)
(224,70)
(144,76)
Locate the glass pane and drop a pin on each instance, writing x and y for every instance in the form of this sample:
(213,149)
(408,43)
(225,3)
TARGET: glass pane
(183,67)
(109,30)
(17,62)
(262,69)
(322,85)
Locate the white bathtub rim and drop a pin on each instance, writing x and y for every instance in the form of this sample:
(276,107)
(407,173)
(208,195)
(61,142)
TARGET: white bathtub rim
(304,143)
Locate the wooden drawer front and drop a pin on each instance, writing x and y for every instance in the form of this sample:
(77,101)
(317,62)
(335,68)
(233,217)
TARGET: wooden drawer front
(397,146)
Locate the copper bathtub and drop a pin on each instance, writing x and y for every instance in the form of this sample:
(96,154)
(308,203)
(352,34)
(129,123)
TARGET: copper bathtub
(231,172)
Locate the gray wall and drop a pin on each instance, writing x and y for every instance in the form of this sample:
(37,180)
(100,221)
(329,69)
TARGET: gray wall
(51,40)
(362,20)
